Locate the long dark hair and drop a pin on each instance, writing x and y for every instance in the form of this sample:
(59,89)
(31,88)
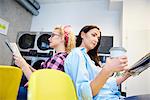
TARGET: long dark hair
(94,52)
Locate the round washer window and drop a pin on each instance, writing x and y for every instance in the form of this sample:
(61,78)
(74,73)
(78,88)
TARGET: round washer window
(42,42)
(37,64)
(26,41)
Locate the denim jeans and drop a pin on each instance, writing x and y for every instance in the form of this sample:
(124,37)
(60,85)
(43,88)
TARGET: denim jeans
(22,93)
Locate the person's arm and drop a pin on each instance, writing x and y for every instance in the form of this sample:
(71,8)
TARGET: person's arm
(20,62)
(100,80)
(32,69)
(76,68)
(112,65)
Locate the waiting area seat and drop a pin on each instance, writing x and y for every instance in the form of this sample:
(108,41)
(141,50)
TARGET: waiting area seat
(50,84)
(10,78)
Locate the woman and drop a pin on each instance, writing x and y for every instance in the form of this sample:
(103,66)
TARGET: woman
(62,40)
(91,81)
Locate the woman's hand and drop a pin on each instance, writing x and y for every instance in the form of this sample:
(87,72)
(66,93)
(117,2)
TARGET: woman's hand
(116,64)
(19,60)
(125,76)
(26,85)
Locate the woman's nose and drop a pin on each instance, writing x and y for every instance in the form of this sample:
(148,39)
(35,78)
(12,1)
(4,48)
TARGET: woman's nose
(49,38)
(96,39)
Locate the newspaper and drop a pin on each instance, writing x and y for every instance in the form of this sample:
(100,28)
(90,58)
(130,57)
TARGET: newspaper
(13,47)
(140,65)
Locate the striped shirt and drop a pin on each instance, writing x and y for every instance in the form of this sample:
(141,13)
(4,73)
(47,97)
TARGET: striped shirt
(56,62)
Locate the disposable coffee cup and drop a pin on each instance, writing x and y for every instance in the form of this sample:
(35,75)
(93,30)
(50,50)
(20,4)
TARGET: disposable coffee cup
(117,52)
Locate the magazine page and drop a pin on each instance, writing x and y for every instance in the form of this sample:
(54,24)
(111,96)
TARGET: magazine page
(140,65)
(13,47)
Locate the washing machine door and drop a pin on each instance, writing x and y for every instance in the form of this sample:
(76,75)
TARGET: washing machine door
(42,42)
(37,64)
(26,41)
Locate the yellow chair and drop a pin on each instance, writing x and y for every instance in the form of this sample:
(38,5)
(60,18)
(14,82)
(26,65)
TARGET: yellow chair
(10,78)
(50,84)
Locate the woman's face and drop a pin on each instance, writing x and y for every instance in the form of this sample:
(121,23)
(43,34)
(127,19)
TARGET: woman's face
(55,39)
(91,38)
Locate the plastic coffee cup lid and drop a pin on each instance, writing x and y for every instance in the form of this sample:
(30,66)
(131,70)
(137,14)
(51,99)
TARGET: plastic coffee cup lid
(117,48)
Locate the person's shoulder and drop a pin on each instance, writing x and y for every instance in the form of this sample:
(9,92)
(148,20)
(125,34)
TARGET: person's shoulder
(78,49)
(75,51)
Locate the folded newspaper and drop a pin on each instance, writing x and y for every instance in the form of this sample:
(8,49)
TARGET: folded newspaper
(140,65)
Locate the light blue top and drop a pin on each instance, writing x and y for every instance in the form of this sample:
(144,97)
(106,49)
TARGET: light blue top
(82,70)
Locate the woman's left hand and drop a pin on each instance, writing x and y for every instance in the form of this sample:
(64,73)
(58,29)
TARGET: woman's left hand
(125,76)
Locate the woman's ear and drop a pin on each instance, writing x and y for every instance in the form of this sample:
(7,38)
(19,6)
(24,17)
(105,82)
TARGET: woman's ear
(82,35)
(62,38)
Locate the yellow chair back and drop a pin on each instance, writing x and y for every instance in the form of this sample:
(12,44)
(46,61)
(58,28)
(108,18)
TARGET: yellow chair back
(50,84)
(10,78)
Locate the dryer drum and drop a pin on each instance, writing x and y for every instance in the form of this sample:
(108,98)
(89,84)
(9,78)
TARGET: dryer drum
(42,42)
(26,41)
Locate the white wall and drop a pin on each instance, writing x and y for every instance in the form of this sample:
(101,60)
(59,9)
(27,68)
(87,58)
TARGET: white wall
(136,38)
(79,14)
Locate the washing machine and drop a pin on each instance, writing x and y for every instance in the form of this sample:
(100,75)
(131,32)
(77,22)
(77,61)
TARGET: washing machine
(26,40)
(35,62)
(26,43)
(42,44)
